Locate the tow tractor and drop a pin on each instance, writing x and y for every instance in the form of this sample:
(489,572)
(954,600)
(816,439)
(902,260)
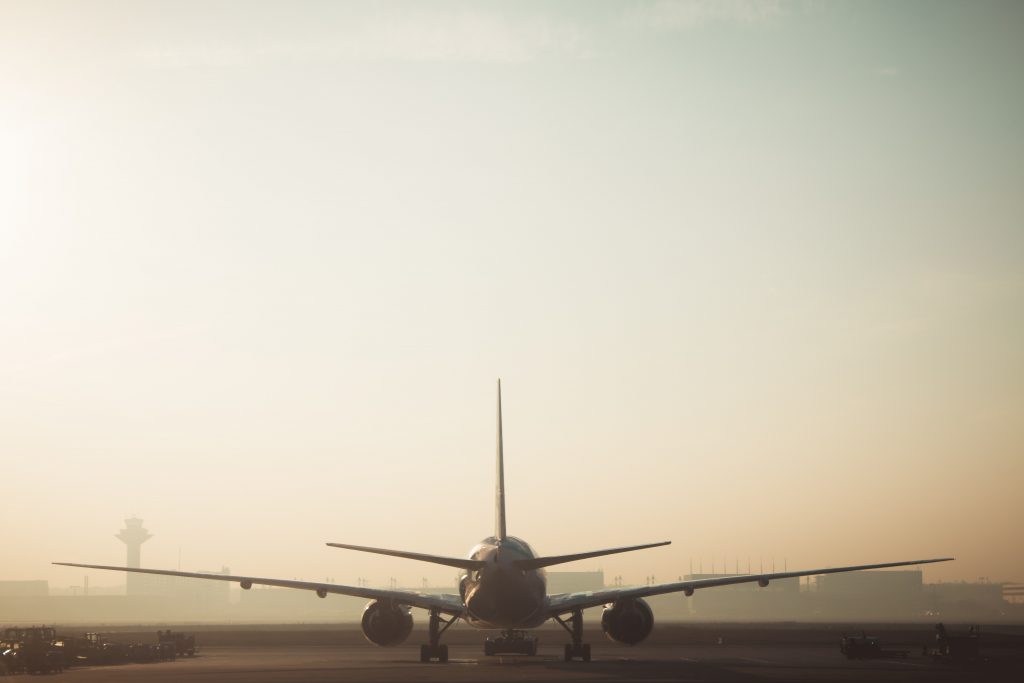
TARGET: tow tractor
(867,647)
(31,650)
(184,644)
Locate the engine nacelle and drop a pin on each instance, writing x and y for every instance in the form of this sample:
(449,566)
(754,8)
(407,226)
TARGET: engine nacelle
(627,621)
(386,623)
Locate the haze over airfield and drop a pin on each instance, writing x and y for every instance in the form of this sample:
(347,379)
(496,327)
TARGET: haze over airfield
(752,275)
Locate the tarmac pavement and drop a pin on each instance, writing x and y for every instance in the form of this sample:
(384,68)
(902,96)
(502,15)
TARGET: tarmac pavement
(351,660)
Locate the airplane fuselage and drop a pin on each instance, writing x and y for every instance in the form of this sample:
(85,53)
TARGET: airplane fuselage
(500,594)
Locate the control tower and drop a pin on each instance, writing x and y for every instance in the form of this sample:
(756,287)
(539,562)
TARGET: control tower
(133,536)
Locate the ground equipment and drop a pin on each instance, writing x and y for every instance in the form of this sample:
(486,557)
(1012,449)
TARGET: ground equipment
(960,648)
(867,647)
(184,644)
(31,650)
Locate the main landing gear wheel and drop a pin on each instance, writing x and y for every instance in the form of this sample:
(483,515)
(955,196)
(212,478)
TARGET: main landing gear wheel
(434,649)
(574,625)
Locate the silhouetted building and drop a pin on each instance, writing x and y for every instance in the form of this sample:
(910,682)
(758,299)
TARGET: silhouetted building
(24,589)
(869,595)
(1013,593)
(780,599)
(198,594)
(574,582)
(967,600)
(287,605)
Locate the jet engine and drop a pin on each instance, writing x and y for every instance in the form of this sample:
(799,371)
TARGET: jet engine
(627,621)
(385,623)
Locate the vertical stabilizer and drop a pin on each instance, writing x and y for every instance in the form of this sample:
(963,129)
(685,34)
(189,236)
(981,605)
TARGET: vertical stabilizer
(499,491)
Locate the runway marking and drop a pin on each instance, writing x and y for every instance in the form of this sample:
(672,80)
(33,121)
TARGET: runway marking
(688,659)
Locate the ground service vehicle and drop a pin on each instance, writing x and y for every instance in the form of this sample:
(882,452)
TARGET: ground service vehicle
(31,650)
(184,644)
(867,647)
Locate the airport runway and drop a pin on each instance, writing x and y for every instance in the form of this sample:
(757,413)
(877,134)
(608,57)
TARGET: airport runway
(353,661)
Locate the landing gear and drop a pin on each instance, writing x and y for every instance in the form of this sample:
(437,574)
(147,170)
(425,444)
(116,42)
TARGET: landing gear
(511,642)
(574,625)
(434,649)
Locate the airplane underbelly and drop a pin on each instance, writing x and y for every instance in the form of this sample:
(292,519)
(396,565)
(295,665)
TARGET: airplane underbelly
(533,622)
(504,604)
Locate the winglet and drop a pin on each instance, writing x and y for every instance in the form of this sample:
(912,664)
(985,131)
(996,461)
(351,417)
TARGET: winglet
(499,492)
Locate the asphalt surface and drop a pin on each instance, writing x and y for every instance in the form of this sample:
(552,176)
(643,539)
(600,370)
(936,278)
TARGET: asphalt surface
(752,654)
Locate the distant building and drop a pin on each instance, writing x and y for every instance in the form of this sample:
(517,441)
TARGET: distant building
(967,600)
(780,599)
(24,589)
(897,594)
(575,582)
(288,605)
(892,582)
(1013,593)
(199,593)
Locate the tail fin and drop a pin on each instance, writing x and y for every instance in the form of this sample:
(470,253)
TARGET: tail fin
(499,492)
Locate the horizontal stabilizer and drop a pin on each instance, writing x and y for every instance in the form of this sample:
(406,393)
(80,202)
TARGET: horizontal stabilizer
(538,562)
(435,559)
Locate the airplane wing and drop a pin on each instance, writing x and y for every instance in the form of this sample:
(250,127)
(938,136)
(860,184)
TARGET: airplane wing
(567,602)
(448,604)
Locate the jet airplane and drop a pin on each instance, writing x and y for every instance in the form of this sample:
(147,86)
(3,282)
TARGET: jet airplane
(504,587)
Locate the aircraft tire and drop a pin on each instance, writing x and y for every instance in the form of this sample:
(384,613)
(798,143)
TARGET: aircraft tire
(442,653)
(586,652)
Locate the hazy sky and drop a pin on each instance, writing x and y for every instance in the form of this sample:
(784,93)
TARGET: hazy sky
(752,274)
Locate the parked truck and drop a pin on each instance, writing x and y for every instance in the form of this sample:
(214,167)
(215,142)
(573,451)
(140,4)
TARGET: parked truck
(31,650)
(867,647)
(184,643)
